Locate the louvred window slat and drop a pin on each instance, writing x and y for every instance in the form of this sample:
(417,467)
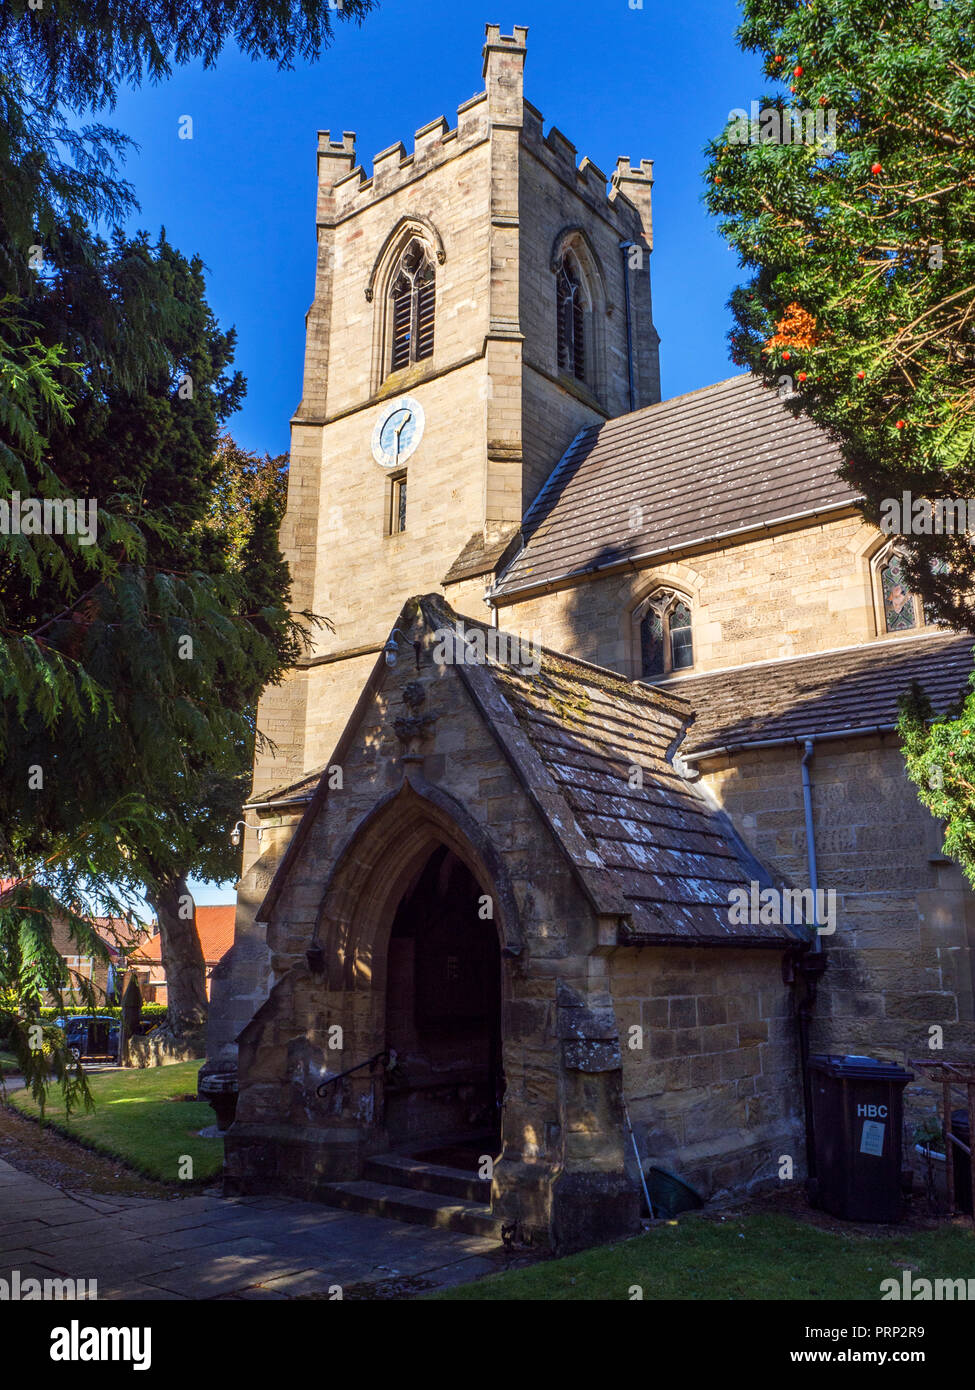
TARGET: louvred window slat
(413,297)
(571,320)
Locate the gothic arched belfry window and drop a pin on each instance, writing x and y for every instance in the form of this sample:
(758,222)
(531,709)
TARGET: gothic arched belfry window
(411,298)
(571,311)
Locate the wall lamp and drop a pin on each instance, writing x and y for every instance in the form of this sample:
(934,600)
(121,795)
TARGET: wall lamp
(237,834)
(391,653)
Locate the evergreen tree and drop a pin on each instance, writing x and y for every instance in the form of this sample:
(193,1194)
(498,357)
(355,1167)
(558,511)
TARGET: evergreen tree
(130,668)
(859,243)
(850,198)
(114,382)
(940,759)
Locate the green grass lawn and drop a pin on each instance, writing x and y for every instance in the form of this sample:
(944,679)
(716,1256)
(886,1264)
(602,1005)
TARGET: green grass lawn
(762,1256)
(135,1120)
(8,1063)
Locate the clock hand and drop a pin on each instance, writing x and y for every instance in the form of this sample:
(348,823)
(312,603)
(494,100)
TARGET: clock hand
(398,430)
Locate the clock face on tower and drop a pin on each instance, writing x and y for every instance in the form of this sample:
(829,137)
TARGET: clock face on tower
(398,432)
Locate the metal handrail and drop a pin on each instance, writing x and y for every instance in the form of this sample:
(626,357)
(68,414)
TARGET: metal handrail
(340,1076)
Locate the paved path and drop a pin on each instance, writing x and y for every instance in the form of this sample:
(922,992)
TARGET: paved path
(212,1247)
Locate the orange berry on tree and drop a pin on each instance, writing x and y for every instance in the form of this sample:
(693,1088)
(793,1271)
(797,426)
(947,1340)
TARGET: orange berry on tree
(876,168)
(900,424)
(797,70)
(802,376)
(860,376)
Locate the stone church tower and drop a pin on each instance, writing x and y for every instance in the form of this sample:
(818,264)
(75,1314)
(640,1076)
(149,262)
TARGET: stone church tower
(438,389)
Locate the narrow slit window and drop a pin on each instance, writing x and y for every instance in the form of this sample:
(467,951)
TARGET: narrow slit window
(397,505)
(652,643)
(931,614)
(681,650)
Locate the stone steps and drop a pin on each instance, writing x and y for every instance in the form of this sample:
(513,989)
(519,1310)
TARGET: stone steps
(400,1170)
(403,1188)
(422,1208)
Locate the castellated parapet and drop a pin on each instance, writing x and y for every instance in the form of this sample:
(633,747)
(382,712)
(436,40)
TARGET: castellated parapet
(346,189)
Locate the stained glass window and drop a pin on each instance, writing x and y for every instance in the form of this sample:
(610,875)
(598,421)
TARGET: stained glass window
(681,650)
(665,637)
(652,643)
(899,614)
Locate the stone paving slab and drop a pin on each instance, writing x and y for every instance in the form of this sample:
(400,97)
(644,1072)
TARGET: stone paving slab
(99,1204)
(32,1192)
(62,1212)
(137,1291)
(342,1272)
(205,1246)
(17,1259)
(211,1278)
(77,1232)
(20,1234)
(193,1237)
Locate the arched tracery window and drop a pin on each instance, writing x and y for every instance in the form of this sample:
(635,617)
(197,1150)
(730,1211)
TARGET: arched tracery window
(412,294)
(571,310)
(666,635)
(902,608)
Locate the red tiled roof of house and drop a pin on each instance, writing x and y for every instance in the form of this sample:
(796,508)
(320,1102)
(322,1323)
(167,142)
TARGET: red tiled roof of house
(215,925)
(116,932)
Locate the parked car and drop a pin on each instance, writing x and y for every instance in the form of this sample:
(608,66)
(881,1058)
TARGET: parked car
(90,1035)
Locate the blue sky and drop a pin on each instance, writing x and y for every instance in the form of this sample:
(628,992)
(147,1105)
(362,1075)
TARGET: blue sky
(655,82)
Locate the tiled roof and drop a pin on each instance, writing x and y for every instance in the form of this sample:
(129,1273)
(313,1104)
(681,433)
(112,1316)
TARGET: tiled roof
(855,688)
(479,556)
(300,790)
(656,856)
(656,852)
(215,925)
(717,462)
(115,932)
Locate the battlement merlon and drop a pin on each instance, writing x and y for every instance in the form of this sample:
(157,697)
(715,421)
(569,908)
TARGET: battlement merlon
(336,159)
(504,73)
(635,186)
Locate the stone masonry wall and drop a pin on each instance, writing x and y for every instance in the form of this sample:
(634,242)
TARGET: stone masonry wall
(489,195)
(801,591)
(714,1092)
(902,957)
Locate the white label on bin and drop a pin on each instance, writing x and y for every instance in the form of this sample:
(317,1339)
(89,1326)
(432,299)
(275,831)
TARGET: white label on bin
(872,1138)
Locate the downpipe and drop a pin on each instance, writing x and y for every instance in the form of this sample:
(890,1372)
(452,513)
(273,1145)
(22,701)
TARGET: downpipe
(805,967)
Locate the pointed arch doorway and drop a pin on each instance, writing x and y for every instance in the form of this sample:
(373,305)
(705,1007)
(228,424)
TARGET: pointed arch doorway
(445,1082)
